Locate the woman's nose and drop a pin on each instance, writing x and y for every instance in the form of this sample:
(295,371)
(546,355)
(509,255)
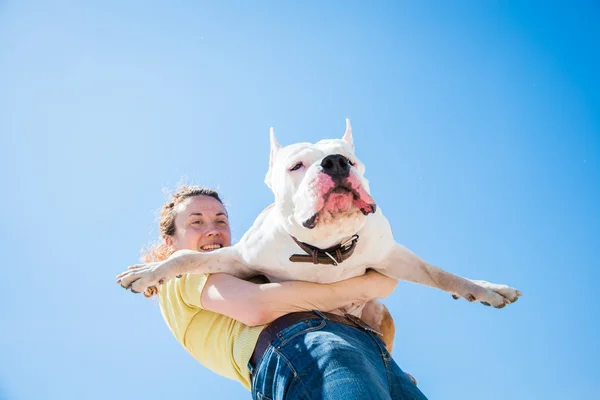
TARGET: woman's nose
(213,230)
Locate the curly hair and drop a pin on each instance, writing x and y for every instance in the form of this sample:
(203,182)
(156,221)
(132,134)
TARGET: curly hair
(160,251)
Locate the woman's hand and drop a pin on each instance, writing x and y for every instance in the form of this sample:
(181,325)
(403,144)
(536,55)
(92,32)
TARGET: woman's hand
(378,285)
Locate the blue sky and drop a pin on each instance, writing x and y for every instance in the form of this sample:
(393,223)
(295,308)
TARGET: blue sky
(479,123)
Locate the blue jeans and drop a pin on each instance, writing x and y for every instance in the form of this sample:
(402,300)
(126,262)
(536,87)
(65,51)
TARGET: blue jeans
(325,360)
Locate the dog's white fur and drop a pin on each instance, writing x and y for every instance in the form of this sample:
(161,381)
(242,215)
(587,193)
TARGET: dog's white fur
(303,193)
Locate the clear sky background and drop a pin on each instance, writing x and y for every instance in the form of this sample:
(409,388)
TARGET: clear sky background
(479,123)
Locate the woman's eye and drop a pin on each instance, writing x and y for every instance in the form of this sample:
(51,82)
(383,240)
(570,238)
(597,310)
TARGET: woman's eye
(196,222)
(222,222)
(297,166)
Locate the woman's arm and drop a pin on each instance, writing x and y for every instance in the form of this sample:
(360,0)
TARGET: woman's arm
(258,304)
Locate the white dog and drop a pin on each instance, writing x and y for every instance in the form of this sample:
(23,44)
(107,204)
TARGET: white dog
(322,208)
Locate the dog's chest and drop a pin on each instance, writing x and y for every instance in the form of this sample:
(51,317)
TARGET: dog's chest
(274,262)
(268,248)
(320,273)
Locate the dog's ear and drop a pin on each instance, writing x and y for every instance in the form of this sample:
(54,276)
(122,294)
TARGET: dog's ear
(348,135)
(275,146)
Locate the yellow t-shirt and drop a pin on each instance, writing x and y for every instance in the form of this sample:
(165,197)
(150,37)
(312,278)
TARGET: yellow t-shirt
(220,343)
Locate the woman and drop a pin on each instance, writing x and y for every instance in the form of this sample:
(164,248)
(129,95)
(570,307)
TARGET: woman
(300,354)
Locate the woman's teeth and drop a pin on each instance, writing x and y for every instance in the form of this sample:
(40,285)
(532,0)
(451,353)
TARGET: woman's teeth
(211,247)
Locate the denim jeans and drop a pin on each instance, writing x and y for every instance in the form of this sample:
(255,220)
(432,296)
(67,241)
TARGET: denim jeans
(325,360)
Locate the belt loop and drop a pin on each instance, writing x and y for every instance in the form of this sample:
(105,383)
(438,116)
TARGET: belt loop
(251,368)
(320,314)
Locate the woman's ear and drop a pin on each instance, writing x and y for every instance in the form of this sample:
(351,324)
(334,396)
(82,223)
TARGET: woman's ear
(169,241)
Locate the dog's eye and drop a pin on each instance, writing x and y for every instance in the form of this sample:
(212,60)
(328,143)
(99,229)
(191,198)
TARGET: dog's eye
(351,162)
(297,166)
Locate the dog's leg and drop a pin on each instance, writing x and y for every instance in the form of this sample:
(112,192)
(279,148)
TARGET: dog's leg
(377,316)
(141,276)
(401,263)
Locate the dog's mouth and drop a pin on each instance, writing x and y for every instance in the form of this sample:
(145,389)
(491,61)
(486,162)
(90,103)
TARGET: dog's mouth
(341,200)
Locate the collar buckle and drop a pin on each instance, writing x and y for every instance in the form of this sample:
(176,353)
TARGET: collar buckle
(347,242)
(333,256)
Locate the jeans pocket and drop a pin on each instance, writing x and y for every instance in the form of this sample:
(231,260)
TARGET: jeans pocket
(312,326)
(261,396)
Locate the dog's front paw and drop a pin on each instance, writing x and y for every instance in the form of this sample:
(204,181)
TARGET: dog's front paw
(491,294)
(139,277)
(505,291)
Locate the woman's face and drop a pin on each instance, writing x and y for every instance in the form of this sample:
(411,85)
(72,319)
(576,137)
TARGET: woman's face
(201,224)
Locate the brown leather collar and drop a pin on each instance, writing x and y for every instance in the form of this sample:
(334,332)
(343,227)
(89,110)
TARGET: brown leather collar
(332,256)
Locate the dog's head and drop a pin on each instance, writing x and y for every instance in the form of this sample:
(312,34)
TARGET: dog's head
(320,189)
